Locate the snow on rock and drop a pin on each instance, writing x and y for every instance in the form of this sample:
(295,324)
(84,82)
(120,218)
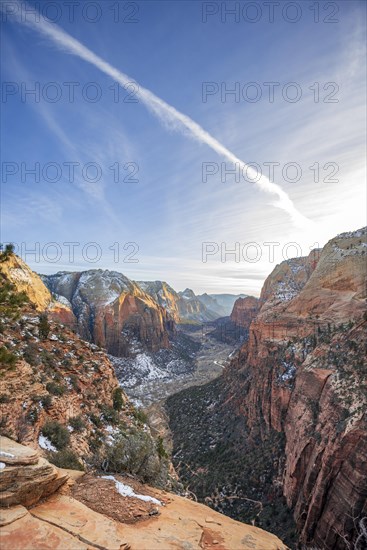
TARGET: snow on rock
(45,443)
(9,455)
(2,465)
(62,300)
(127,491)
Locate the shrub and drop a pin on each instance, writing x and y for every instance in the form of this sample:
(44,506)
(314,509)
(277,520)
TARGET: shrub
(43,327)
(95,442)
(65,459)
(56,433)
(7,358)
(10,300)
(55,389)
(109,414)
(118,400)
(32,415)
(7,252)
(136,454)
(31,355)
(96,420)
(140,415)
(74,382)
(46,401)
(162,453)
(77,423)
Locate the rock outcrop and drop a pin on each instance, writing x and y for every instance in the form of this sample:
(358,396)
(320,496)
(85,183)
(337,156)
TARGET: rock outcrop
(106,513)
(15,270)
(25,477)
(112,311)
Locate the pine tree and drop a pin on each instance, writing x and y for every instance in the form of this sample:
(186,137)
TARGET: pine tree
(44,326)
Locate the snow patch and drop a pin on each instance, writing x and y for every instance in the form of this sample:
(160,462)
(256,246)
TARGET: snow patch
(2,465)
(45,443)
(9,455)
(127,491)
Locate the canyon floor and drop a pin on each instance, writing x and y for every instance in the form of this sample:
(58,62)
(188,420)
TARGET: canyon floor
(196,358)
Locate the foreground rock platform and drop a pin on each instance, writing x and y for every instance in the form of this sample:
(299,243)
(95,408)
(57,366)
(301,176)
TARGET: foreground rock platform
(61,522)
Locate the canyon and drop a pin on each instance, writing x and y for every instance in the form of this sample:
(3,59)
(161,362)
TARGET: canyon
(261,406)
(63,413)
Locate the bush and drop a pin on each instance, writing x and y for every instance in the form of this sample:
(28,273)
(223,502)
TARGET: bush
(31,355)
(56,433)
(65,459)
(11,301)
(46,401)
(140,415)
(109,414)
(162,453)
(55,389)
(7,252)
(118,400)
(77,423)
(96,420)
(32,415)
(7,358)
(136,454)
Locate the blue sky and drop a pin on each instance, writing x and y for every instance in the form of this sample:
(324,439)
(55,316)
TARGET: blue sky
(170,211)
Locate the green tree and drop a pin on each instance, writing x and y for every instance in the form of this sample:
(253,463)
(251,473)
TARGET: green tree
(118,400)
(6,252)
(44,326)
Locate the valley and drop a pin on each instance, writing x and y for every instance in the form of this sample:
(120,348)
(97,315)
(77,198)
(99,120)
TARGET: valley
(194,358)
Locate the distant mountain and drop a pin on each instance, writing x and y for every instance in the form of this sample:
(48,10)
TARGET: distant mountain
(221,304)
(182,306)
(227,300)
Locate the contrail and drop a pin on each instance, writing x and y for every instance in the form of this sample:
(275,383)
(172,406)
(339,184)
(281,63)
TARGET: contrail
(162,110)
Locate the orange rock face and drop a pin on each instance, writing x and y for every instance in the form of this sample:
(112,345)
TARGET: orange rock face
(244,311)
(305,374)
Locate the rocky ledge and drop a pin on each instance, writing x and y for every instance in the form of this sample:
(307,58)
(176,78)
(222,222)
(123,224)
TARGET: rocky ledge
(83,512)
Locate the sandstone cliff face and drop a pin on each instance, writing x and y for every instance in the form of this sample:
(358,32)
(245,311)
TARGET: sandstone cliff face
(112,513)
(244,311)
(15,270)
(164,295)
(25,280)
(111,310)
(303,373)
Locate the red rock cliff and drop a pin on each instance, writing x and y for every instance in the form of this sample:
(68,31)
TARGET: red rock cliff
(304,373)
(244,311)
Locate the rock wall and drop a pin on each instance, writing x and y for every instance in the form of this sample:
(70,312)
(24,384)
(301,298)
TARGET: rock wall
(303,372)
(244,311)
